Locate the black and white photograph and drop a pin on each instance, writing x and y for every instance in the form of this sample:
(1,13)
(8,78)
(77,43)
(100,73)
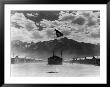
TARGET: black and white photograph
(55,43)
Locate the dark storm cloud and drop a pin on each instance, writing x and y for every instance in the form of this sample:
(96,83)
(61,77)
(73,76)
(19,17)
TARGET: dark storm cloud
(86,14)
(79,21)
(68,17)
(50,15)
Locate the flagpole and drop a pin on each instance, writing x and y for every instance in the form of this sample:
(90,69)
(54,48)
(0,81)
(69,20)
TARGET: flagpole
(54,51)
(53,44)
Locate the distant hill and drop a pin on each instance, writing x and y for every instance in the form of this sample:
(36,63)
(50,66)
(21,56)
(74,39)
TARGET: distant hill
(44,49)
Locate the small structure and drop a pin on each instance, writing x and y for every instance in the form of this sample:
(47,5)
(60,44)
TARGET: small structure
(55,60)
(93,58)
(14,60)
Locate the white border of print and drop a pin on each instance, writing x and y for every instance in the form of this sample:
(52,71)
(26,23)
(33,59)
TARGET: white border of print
(64,80)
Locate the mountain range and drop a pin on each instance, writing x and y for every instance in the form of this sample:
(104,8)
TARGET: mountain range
(69,47)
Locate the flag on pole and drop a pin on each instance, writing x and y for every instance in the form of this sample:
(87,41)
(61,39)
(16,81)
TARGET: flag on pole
(58,33)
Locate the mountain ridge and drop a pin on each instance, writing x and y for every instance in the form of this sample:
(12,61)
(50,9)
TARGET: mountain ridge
(68,46)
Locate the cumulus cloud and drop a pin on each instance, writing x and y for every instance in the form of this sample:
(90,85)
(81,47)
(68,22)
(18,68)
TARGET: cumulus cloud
(82,26)
(91,21)
(50,33)
(32,14)
(65,16)
(55,23)
(66,32)
(81,17)
(28,36)
(45,23)
(81,37)
(30,25)
(23,29)
(20,34)
(18,19)
(93,17)
(36,35)
(94,33)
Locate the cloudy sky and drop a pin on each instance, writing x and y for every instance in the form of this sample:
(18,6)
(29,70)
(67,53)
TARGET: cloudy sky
(79,25)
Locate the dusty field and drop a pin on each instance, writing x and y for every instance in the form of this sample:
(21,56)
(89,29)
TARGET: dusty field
(41,69)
